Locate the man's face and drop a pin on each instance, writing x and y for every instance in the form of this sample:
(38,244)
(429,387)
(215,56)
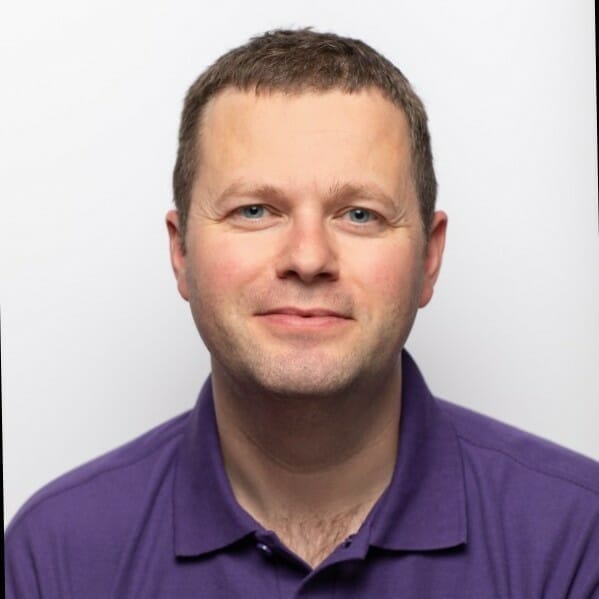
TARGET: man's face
(305,256)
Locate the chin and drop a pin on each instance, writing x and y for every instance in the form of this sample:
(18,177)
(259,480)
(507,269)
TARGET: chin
(312,377)
(292,387)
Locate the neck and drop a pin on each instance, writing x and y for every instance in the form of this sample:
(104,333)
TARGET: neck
(291,459)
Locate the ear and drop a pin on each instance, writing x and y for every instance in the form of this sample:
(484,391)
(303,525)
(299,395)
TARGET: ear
(178,257)
(433,257)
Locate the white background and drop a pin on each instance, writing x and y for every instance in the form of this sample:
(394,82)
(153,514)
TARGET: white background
(97,346)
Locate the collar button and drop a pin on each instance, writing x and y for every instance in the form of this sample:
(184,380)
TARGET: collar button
(264,549)
(347,543)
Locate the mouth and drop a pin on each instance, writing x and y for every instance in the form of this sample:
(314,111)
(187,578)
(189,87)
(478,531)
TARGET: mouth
(303,318)
(304,313)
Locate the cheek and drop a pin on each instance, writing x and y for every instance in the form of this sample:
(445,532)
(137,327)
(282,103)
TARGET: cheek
(223,265)
(387,274)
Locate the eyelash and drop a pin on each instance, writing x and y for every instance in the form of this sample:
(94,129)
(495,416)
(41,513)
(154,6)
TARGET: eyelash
(373,216)
(241,210)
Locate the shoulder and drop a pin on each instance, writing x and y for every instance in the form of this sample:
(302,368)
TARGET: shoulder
(121,464)
(84,517)
(489,442)
(537,501)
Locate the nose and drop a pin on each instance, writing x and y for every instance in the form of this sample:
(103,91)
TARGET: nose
(309,253)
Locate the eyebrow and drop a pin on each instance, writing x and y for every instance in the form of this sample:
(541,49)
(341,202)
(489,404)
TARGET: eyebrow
(349,191)
(337,191)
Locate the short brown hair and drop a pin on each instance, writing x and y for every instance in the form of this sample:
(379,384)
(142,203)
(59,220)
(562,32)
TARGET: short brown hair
(295,61)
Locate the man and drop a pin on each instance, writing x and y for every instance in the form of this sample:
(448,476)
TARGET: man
(315,463)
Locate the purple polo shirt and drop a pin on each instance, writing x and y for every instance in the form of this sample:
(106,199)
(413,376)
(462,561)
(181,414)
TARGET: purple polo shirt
(474,509)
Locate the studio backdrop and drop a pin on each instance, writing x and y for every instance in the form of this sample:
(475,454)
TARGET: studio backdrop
(97,346)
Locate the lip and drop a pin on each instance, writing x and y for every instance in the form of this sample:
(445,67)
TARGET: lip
(290,319)
(303,312)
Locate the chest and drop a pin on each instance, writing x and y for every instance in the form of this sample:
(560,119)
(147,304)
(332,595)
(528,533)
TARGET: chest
(315,537)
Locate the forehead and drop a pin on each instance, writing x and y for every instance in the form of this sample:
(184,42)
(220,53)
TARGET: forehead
(312,136)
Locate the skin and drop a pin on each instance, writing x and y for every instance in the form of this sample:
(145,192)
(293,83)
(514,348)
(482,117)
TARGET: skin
(306,202)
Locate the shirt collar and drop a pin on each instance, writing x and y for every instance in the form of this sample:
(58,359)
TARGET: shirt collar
(207,516)
(423,508)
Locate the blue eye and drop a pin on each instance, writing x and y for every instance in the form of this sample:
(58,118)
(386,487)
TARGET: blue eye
(359,215)
(255,211)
